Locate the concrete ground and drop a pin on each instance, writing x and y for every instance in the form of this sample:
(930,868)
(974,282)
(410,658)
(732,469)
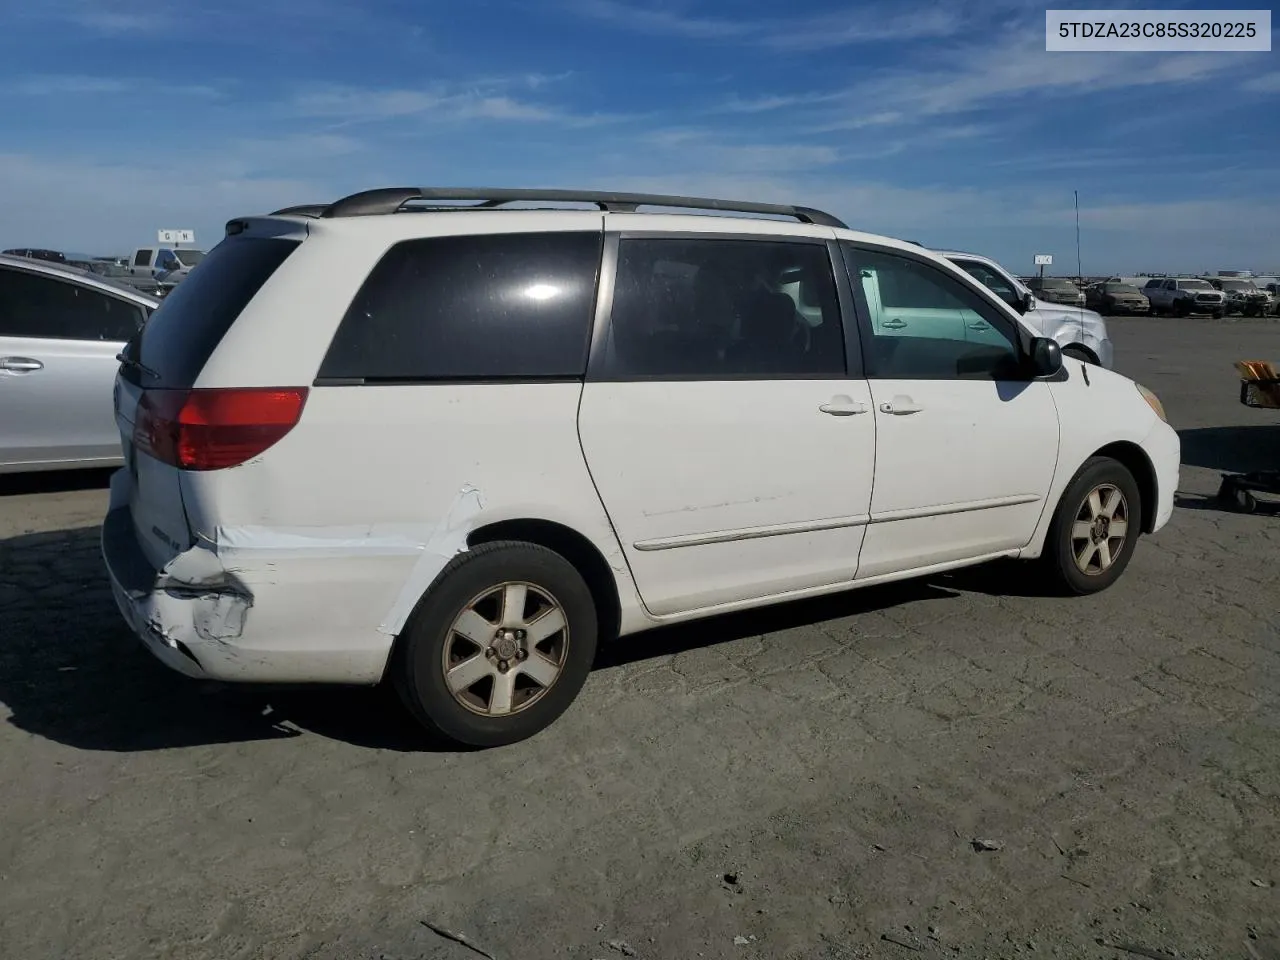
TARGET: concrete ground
(804,782)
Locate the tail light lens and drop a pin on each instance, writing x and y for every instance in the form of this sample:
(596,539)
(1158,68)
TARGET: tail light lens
(215,428)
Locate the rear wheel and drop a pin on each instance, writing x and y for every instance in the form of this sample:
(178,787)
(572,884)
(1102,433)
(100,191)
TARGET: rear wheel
(499,647)
(1095,527)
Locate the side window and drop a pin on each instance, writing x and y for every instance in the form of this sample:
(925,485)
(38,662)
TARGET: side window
(143,259)
(163,257)
(926,325)
(723,309)
(37,306)
(491,306)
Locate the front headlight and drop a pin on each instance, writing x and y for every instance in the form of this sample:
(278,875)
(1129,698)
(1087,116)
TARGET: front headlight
(1153,402)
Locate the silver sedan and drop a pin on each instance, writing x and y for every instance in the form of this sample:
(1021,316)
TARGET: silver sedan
(60,331)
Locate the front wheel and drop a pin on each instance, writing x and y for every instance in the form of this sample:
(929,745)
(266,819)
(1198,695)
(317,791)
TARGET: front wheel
(499,647)
(1076,352)
(1095,528)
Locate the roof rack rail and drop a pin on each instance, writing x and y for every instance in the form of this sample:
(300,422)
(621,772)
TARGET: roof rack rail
(391,199)
(300,210)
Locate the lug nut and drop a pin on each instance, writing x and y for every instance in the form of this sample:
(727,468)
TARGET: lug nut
(503,665)
(522,655)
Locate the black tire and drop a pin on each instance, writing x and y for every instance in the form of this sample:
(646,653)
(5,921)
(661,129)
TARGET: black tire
(1059,555)
(1219,314)
(418,670)
(1076,352)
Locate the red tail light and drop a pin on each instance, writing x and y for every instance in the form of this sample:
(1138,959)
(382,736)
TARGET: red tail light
(215,428)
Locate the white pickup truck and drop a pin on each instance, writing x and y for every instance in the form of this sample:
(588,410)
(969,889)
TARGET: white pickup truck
(171,263)
(1183,296)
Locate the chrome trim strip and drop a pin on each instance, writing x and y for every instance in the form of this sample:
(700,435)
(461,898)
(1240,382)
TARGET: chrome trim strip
(751,533)
(835,523)
(945,509)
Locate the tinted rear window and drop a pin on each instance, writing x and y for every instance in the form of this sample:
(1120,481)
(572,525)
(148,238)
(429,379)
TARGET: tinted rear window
(504,306)
(183,333)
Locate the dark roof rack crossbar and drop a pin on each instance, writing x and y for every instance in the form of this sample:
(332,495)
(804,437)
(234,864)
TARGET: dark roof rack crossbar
(301,210)
(391,199)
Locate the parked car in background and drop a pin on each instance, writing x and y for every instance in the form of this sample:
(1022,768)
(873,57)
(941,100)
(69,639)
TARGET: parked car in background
(60,332)
(34,253)
(1113,297)
(1181,297)
(170,264)
(120,274)
(1057,290)
(1081,333)
(1274,290)
(541,429)
(1243,296)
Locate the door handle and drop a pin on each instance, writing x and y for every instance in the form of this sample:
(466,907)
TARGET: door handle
(981,325)
(894,324)
(20,364)
(900,406)
(843,406)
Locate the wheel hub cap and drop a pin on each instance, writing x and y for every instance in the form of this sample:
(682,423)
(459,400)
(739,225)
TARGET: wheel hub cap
(506,649)
(1100,530)
(505,645)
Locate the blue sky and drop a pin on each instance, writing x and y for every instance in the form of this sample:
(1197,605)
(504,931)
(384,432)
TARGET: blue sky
(945,122)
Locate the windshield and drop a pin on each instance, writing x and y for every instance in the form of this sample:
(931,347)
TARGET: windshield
(1244,286)
(189,258)
(1055,283)
(109,269)
(1121,288)
(1194,285)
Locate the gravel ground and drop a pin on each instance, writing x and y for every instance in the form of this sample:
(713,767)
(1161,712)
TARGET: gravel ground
(804,782)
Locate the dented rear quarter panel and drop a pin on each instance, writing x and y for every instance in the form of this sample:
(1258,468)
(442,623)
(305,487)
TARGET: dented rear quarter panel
(340,528)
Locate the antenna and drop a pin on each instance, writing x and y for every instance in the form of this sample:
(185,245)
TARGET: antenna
(1079,264)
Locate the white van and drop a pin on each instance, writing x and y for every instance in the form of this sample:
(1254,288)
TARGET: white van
(459,447)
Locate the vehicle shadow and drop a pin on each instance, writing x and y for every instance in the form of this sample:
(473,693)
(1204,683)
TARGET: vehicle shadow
(72,672)
(54,481)
(1233,449)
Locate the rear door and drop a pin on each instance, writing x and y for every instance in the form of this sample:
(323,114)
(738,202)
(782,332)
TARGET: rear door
(727,428)
(58,343)
(168,358)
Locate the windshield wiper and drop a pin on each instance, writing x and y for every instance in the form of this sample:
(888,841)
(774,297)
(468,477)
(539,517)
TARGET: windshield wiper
(136,365)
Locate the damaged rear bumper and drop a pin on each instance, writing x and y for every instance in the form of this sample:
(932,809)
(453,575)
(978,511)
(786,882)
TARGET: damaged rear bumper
(254,615)
(176,621)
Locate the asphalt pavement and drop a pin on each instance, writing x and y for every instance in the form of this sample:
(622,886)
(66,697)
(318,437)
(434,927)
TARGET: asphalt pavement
(803,782)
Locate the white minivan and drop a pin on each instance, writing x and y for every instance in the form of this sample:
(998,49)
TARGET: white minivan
(423,436)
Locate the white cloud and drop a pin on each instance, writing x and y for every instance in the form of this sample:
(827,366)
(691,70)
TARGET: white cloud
(75,204)
(93,207)
(482,100)
(879,22)
(981,76)
(1266,83)
(76,85)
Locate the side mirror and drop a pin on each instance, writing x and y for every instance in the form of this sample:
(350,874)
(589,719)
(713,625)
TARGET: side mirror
(1046,357)
(1028,302)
